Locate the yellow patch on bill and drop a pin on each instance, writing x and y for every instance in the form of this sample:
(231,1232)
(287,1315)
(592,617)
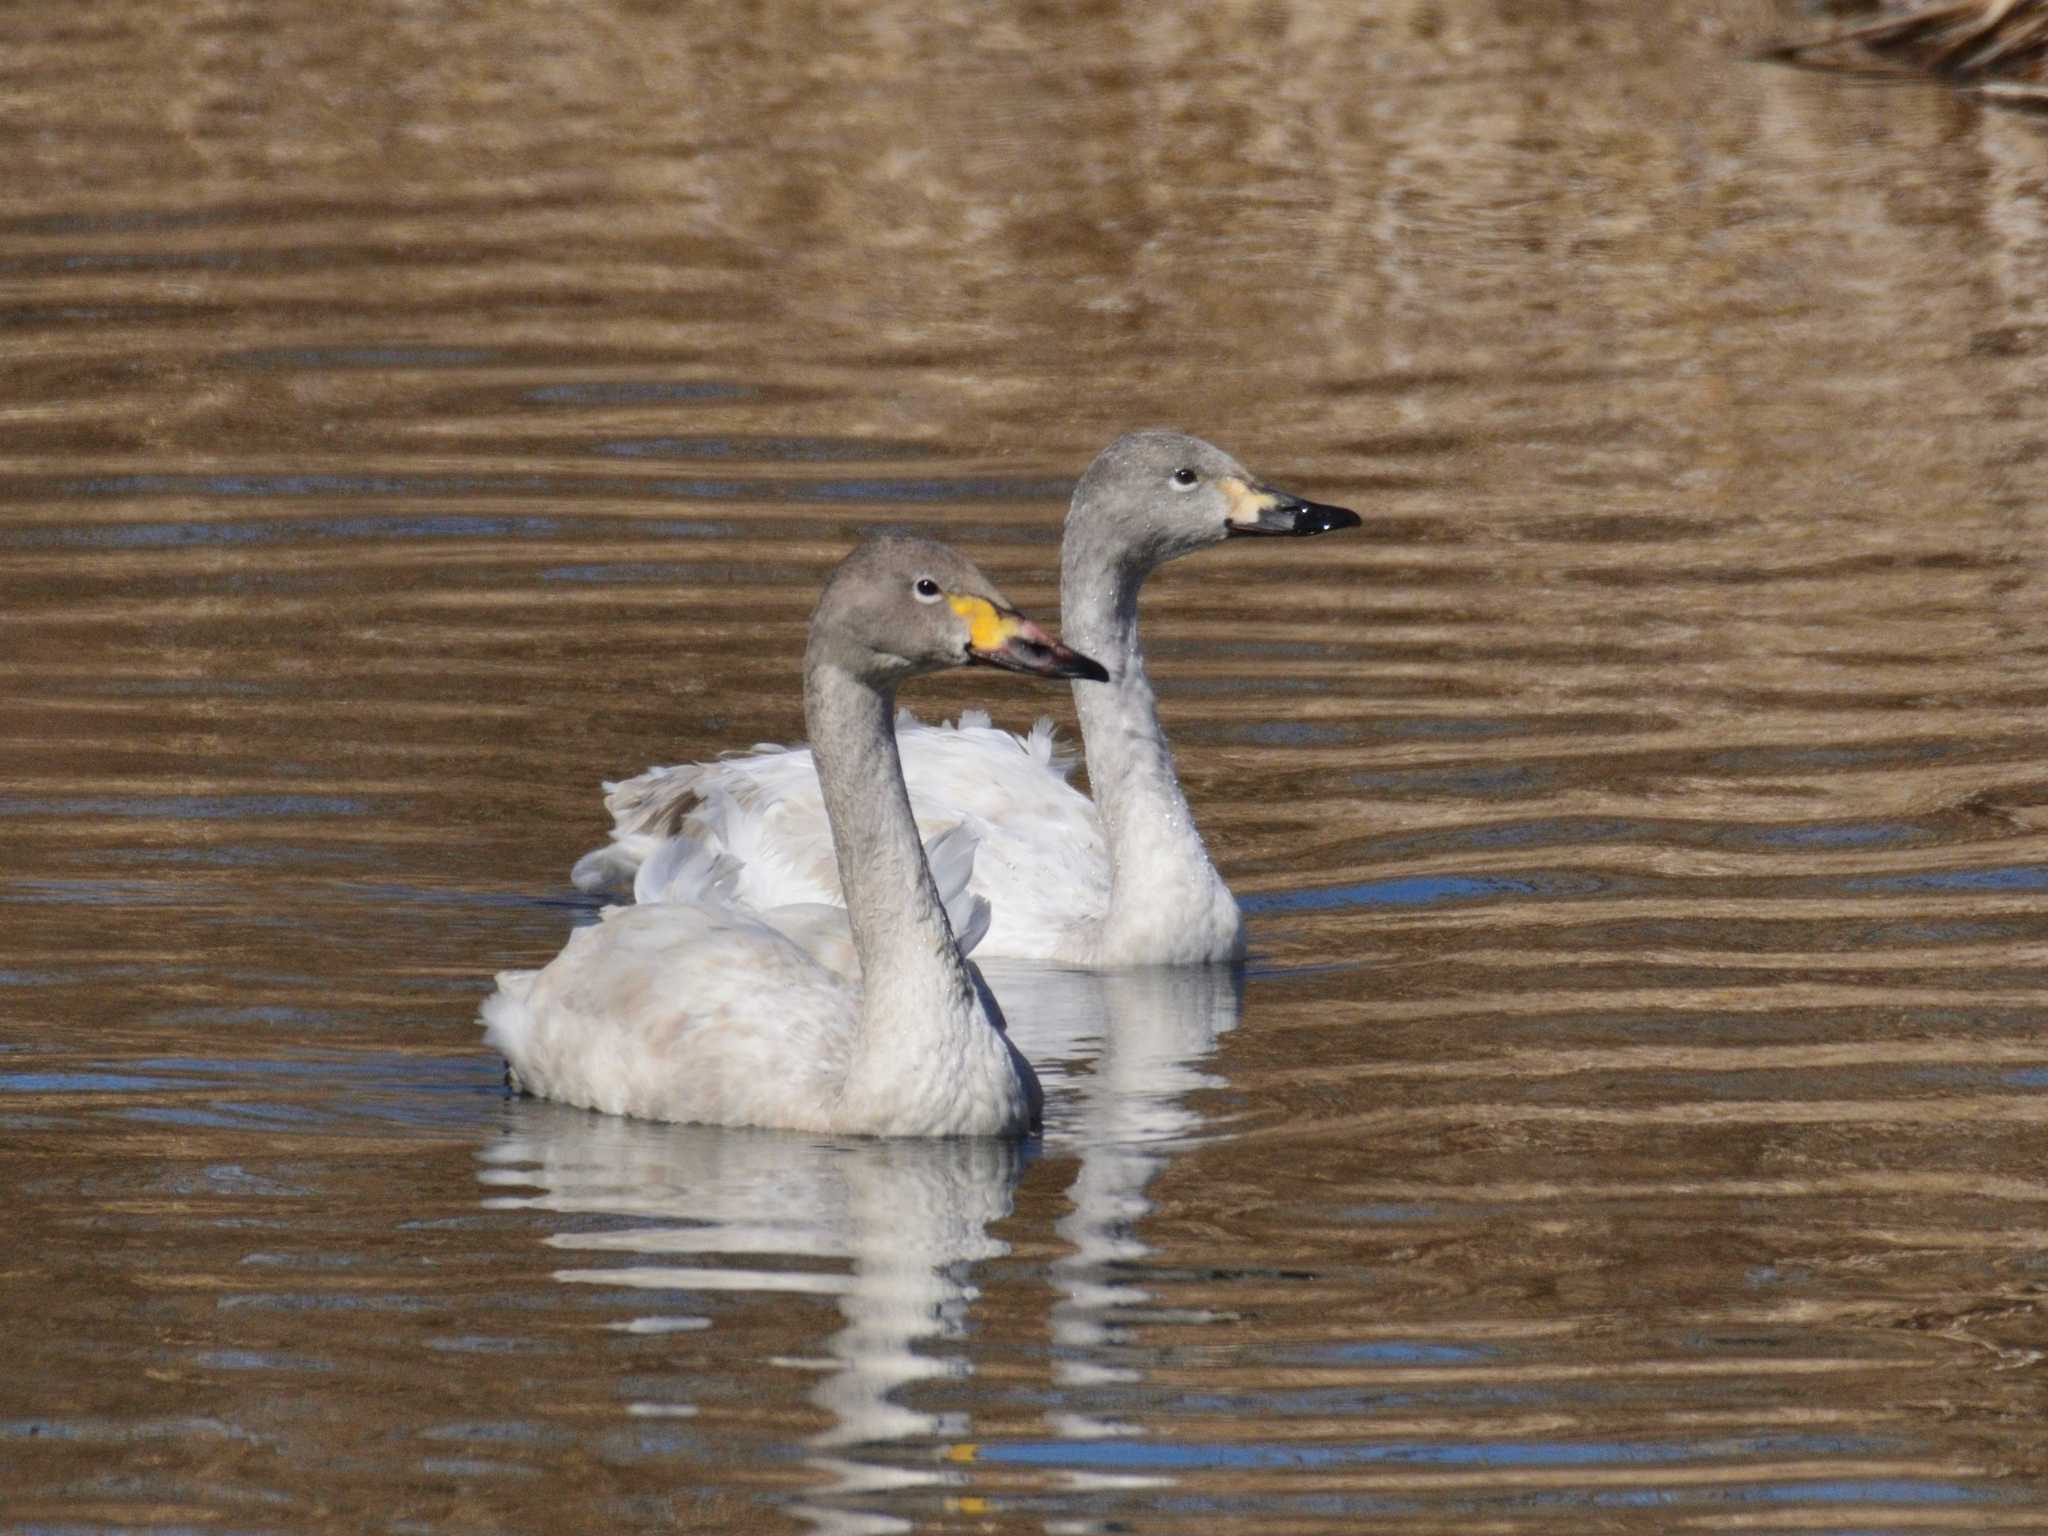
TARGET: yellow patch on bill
(989,628)
(1246,504)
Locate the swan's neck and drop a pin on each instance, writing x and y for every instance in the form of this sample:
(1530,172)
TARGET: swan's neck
(912,977)
(1167,903)
(928,1057)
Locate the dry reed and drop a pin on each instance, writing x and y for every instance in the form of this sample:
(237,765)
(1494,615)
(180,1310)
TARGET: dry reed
(1996,48)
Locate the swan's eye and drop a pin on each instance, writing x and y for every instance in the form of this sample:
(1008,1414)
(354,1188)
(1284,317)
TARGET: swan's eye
(926,589)
(1185,478)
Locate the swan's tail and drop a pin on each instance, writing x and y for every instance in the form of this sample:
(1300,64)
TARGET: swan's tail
(508,1022)
(607,871)
(646,811)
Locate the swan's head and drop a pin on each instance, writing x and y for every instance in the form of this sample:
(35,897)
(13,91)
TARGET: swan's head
(898,607)
(1154,496)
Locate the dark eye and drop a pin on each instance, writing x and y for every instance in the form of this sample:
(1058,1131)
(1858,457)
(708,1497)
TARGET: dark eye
(1184,477)
(926,589)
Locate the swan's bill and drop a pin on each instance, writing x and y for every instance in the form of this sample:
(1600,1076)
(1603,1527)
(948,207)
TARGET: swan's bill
(1002,637)
(1261,509)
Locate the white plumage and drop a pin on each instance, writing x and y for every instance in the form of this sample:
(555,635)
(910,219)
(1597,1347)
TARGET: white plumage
(998,810)
(1123,880)
(804,1015)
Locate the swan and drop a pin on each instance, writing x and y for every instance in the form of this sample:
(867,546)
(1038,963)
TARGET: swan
(1122,881)
(696,1008)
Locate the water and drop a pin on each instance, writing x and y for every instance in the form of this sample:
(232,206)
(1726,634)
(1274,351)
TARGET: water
(1631,1117)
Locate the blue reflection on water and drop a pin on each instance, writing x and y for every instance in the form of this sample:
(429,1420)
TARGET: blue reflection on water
(257,1360)
(1399,891)
(93,893)
(147,261)
(185,807)
(1444,725)
(991,489)
(636,391)
(194,1119)
(1193,1455)
(361,357)
(1396,1352)
(375,1088)
(1778,759)
(1388,1212)
(1499,779)
(1850,835)
(1281,733)
(789,450)
(457,896)
(1547,830)
(2011,877)
(322,1301)
(253,1013)
(152,535)
(245,485)
(410,1069)
(496,1432)
(84,1082)
(1879,1490)
(624,571)
(124,1431)
(213,531)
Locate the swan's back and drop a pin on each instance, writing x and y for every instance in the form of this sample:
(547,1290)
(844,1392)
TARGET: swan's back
(679,1012)
(1039,859)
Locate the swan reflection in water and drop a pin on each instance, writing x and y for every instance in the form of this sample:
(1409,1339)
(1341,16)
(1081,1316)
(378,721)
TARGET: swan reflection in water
(1144,1036)
(743,1212)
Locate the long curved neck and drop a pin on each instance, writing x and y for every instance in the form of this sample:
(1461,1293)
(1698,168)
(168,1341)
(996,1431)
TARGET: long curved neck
(1158,864)
(913,982)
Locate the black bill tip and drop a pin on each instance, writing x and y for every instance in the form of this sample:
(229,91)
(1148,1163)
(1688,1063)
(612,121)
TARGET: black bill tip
(1315,517)
(1073,664)
(1035,653)
(1291,515)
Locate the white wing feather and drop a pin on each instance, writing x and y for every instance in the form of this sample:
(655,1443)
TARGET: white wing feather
(1038,864)
(679,1012)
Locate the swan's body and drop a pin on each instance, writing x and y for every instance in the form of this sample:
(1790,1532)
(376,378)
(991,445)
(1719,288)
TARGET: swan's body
(1033,836)
(1123,880)
(702,1008)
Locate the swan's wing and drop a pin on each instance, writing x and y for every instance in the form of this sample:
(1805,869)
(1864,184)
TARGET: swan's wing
(646,810)
(762,810)
(681,869)
(673,1012)
(821,929)
(973,926)
(1039,861)
(951,858)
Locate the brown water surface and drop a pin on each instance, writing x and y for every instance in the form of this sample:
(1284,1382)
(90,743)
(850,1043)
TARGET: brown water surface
(1632,1118)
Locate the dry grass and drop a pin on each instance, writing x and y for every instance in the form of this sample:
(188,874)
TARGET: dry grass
(1998,48)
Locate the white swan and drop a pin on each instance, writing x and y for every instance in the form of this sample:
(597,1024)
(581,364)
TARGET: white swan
(698,1009)
(1123,881)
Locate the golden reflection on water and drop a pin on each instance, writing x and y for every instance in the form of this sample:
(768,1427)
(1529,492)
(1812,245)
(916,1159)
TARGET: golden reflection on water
(1631,1116)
